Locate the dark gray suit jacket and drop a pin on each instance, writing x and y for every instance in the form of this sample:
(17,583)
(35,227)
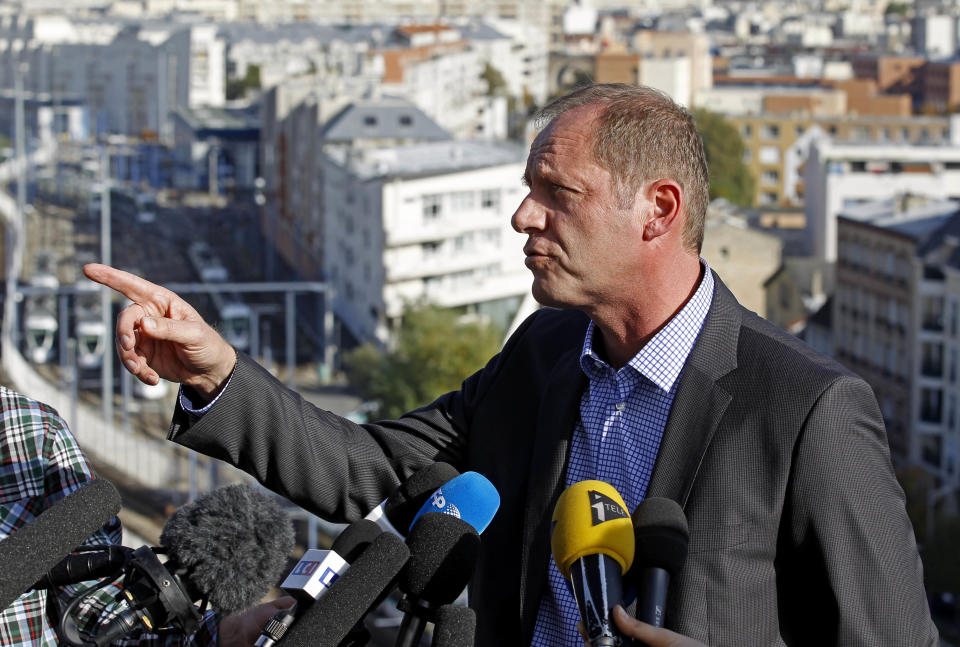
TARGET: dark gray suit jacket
(798,532)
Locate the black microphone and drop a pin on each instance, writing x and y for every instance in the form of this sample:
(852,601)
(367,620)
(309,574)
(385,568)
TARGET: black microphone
(662,535)
(331,618)
(443,554)
(454,626)
(39,545)
(225,549)
(87,563)
(397,512)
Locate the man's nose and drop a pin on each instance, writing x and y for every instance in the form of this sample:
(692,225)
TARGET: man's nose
(529,216)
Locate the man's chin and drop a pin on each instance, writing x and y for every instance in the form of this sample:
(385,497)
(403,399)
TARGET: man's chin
(545,296)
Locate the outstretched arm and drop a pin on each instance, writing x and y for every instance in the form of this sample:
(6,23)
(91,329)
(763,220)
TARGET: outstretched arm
(161,335)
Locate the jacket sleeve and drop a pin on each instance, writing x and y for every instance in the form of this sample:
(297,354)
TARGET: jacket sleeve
(327,464)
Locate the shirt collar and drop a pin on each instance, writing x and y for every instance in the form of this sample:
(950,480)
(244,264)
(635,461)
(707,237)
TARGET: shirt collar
(662,358)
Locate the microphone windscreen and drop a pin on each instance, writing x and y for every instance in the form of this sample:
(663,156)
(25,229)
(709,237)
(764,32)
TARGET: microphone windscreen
(231,545)
(454,626)
(31,551)
(662,535)
(355,538)
(470,497)
(443,554)
(402,506)
(328,620)
(591,518)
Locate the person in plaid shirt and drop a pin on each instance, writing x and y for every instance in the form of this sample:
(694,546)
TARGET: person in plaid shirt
(41,463)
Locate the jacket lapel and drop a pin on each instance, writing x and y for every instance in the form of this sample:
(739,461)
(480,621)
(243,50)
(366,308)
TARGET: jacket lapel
(700,402)
(559,410)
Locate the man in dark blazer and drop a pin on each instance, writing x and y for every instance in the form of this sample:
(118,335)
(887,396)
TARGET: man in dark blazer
(798,532)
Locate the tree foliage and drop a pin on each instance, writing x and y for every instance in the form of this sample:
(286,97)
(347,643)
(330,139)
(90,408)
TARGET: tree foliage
(237,88)
(729,176)
(495,82)
(434,351)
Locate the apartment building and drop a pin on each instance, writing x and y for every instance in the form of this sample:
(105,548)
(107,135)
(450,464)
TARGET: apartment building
(933,84)
(939,85)
(131,75)
(427,221)
(776,145)
(437,69)
(744,256)
(678,63)
(896,321)
(838,175)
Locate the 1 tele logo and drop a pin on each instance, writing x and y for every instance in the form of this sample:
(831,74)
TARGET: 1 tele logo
(603,508)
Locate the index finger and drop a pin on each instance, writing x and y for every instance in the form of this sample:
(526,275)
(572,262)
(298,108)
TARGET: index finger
(129,285)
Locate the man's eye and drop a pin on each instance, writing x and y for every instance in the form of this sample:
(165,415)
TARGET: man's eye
(557,188)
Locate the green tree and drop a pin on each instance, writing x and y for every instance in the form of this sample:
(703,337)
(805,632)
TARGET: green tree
(495,82)
(237,88)
(899,8)
(729,176)
(434,351)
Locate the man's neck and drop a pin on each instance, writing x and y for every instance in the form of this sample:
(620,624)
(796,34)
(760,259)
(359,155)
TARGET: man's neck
(625,330)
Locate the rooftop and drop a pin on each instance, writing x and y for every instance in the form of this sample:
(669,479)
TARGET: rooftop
(224,122)
(384,118)
(432,158)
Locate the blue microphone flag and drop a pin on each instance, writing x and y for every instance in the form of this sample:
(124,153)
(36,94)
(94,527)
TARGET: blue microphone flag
(470,497)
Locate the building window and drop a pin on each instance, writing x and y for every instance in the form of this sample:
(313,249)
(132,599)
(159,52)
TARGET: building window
(930,449)
(406,120)
(769,155)
(370,121)
(490,199)
(932,313)
(747,155)
(771,177)
(464,200)
(931,405)
(432,207)
(747,131)
(771,131)
(430,249)
(932,359)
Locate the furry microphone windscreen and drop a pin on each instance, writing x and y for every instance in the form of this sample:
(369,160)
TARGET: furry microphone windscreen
(231,544)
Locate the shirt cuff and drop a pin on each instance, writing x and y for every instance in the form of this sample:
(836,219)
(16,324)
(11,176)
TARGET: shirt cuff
(188,398)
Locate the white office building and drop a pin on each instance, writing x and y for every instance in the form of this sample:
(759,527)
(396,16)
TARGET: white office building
(427,221)
(841,175)
(131,75)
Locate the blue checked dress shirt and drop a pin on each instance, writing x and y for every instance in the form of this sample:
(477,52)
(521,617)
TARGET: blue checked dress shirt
(622,417)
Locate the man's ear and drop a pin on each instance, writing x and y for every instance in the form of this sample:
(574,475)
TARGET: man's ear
(666,214)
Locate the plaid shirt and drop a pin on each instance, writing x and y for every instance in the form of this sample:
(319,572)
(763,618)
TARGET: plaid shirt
(41,463)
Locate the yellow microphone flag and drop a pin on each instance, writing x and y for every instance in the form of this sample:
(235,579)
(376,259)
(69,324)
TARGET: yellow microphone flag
(590,518)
